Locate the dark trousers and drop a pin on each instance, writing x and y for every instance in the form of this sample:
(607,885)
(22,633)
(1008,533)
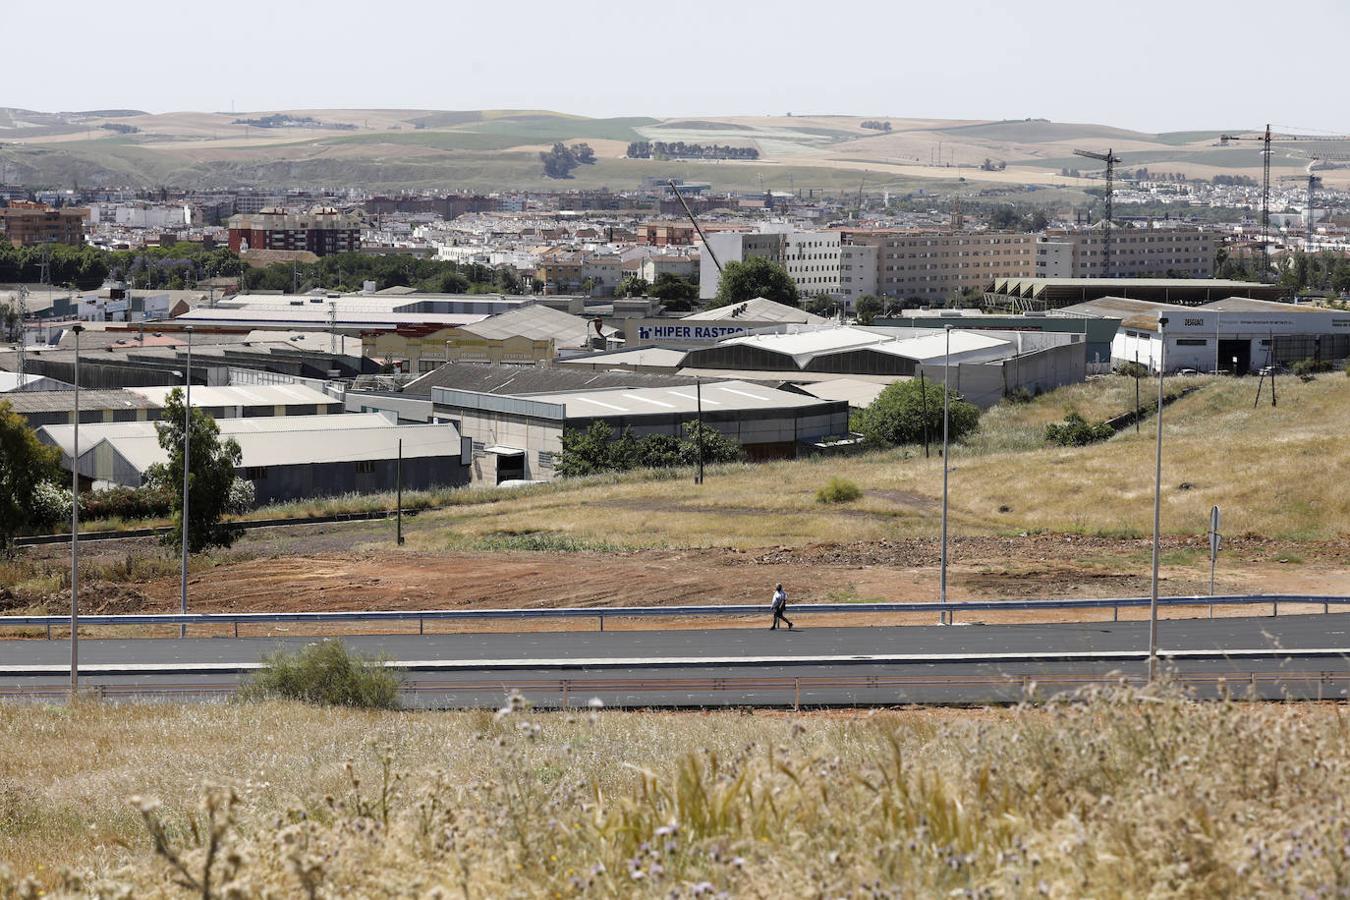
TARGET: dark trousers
(777,617)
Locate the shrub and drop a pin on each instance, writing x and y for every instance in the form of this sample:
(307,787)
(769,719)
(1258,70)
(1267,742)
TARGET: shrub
(50,505)
(126,503)
(838,490)
(1075,431)
(1306,369)
(1132,370)
(325,674)
(242,497)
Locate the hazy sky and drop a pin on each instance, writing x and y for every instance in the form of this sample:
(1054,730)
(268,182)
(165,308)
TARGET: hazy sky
(1152,65)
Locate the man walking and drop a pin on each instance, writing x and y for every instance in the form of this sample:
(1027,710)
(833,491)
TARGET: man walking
(779,607)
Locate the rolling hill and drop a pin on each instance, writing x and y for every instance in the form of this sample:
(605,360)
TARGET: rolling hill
(384,149)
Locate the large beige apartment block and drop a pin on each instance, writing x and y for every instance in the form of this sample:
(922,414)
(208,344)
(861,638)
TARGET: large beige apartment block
(1176,252)
(934,265)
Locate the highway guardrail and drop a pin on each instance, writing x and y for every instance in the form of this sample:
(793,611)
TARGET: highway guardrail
(600,613)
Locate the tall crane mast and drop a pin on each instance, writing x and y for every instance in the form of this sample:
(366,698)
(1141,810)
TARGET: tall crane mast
(687,212)
(1110,158)
(1265,203)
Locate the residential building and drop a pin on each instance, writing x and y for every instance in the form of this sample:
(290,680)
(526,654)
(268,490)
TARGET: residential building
(322,231)
(934,266)
(26,223)
(666,234)
(1166,252)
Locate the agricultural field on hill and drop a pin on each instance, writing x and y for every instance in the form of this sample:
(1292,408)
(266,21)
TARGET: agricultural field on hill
(494,150)
(1116,794)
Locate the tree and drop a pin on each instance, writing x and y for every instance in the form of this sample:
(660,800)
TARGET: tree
(631,286)
(25,463)
(898,414)
(866,309)
(675,292)
(755,277)
(597,450)
(559,162)
(584,154)
(211,476)
(717,447)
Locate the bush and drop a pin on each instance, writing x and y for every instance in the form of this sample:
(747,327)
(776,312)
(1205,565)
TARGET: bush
(838,490)
(126,503)
(50,505)
(1132,370)
(1075,431)
(325,674)
(1306,369)
(242,497)
(597,450)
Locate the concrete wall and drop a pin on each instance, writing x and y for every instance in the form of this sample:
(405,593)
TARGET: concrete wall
(282,483)
(986,384)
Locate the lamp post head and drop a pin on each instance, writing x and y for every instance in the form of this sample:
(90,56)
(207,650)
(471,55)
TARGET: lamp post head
(77,328)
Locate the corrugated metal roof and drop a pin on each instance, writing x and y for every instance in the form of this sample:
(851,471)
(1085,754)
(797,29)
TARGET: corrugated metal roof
(91,433)
(244,395)
(720,396)
(536,323)
(526,380)
(25,402)
(307,447)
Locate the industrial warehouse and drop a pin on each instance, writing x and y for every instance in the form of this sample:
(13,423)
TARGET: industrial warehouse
(520,437)
(1237,335)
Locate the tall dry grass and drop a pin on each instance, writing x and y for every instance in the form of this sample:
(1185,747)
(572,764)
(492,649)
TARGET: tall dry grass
(1275,471)
(1115,794)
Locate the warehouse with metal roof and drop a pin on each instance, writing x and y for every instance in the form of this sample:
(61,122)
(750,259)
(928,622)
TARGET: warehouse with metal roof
(1030,294)
(520,437)
(286,458)
(1236,334)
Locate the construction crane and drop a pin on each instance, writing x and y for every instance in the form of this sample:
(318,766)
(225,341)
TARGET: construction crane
(22,299)
(1110,158)
(687,212)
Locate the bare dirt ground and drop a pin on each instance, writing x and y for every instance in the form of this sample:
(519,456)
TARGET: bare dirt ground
(339,568)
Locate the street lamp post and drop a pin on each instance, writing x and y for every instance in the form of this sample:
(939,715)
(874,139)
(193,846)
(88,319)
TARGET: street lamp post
(75,533)
(946,416)
(187,466)
(1157,508)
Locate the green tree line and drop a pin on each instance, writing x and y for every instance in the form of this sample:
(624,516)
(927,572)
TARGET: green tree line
(350,271)
(177,266)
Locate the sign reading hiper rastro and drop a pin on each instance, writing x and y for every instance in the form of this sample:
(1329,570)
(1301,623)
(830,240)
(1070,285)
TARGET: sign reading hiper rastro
(677,331)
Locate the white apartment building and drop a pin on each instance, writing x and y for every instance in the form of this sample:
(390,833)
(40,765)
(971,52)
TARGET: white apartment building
(820,262)
(934,265)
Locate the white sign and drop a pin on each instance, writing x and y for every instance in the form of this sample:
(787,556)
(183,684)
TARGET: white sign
(676,331)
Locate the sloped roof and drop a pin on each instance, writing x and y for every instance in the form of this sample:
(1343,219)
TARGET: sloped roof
(91,433)
(243,395)
(524,380)
(757,310)
(537,323)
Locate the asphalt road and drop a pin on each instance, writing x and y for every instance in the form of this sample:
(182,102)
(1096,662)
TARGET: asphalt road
(734,667)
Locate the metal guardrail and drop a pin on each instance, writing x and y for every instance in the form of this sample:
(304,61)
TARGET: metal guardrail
(603,612)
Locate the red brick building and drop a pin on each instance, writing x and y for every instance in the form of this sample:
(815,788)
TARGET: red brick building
(24,222)
(321,232)
(666,234)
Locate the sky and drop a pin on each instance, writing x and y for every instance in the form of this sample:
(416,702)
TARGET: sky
(1149,65)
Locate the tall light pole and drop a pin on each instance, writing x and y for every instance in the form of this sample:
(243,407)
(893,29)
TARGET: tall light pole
(946,416)
(187,466)
(1157,507)
(75,533)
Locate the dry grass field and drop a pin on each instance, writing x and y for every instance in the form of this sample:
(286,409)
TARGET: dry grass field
(1114,795)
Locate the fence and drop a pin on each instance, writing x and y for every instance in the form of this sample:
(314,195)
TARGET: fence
(600,613)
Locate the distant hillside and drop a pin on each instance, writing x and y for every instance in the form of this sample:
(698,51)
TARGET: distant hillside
(484,150)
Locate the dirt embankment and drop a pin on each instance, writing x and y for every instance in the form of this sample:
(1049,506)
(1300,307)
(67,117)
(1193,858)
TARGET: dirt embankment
(986,567)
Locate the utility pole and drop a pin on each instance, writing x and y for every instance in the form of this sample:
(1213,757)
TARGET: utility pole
(399,481)
(187,469)
(1136,390)
(923,398)
(1265,204)
(946,418)
(1157,508)
(75,534)
(698,393)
